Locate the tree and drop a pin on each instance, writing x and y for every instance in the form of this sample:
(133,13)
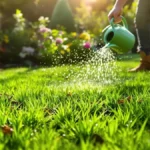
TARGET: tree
(62,16)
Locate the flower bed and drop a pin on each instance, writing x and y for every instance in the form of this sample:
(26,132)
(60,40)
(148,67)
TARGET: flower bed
(34,42)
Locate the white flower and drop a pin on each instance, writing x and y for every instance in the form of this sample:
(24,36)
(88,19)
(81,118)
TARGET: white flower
(47,19)
(50,37)
(28,50)
(41,18)
(22,55)
(65,39)
(65,46)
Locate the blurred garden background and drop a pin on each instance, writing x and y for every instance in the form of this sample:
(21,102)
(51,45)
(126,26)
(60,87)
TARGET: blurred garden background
(53,32)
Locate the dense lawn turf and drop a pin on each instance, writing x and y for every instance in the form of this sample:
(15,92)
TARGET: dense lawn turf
(44,109)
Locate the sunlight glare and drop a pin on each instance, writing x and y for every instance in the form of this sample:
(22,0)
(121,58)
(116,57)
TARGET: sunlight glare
(90,1)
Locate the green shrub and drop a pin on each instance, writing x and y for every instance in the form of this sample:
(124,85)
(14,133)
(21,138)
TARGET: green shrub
(62,16)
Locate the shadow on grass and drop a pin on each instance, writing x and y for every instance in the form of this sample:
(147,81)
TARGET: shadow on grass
(17,74)
(128,57)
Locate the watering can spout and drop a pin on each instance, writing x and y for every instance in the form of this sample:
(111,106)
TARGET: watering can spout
(107,45)
(113,47)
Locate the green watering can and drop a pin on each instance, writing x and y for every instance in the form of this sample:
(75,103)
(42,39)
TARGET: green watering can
(118,38)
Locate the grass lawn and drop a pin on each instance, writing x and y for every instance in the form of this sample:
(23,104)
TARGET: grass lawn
(45,109)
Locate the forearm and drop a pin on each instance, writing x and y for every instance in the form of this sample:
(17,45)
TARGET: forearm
(120,3)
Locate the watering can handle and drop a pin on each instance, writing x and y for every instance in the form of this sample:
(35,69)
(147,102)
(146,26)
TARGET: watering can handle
(123,20)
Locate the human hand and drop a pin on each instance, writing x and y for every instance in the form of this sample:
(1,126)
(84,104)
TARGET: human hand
(116,14)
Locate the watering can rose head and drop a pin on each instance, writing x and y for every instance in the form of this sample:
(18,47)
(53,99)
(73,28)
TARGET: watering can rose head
(117,37)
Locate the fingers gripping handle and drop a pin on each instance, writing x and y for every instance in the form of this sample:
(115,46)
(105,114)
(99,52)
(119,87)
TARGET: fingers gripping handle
(123,21)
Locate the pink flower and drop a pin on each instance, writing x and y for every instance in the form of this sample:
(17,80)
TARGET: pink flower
(59,41)
(44,29)
(87,45)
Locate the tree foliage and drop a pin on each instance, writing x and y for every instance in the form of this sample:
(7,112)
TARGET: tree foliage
(31,9)
(94,16)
